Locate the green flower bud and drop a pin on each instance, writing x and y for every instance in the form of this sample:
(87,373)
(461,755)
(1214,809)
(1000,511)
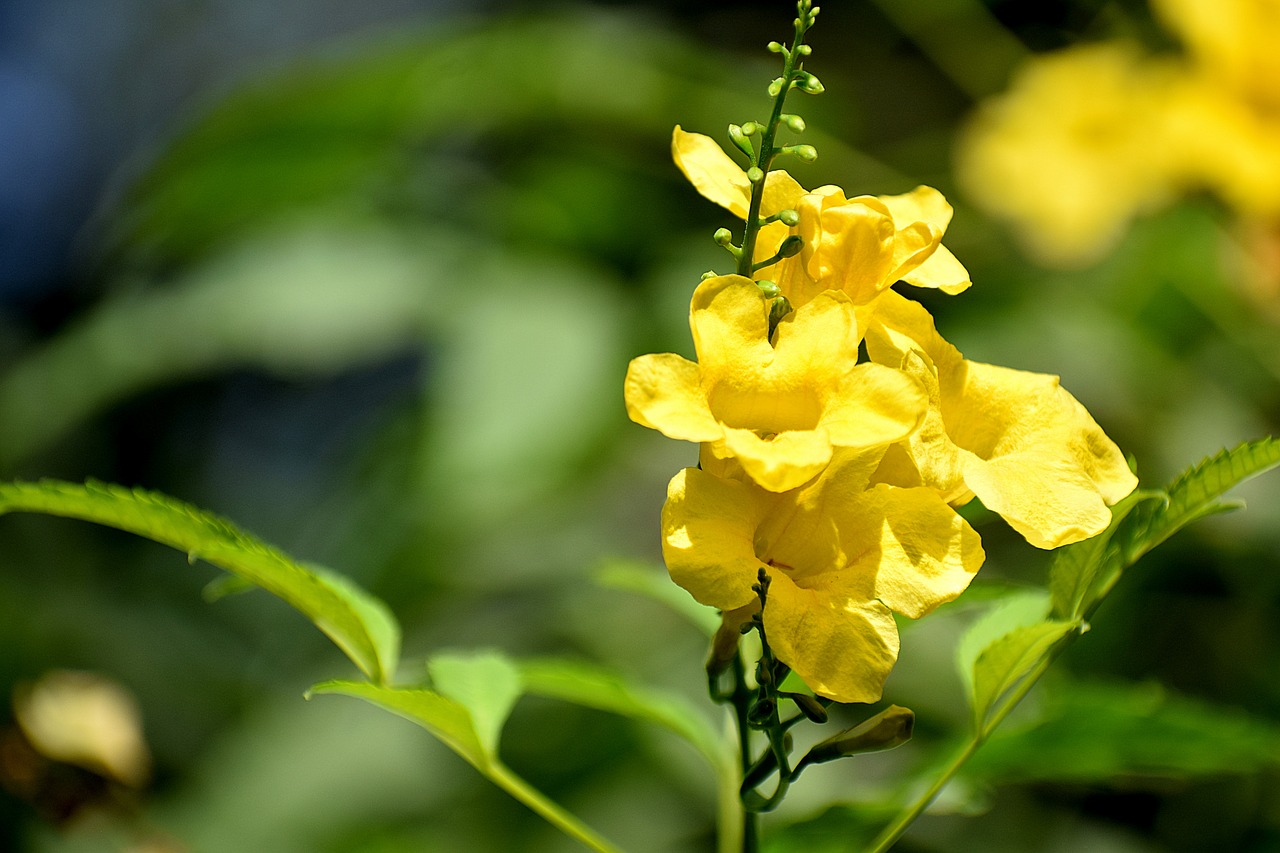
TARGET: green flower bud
(886,730)
(723,236)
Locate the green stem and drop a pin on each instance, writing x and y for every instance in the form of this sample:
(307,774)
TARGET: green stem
(741,708)
(890,835)
(508,781)
(766,152)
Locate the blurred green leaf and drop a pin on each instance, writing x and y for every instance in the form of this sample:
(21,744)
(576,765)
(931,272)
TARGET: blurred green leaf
(312,297)
(452,724)
(653,582)
(487,684)
(1090,732)
(358,623)
(606,690)
(447,720)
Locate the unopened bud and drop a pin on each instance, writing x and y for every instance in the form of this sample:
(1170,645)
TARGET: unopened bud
(750,128)
(723,236)
(791,246)
(775,47)
(709,274)
(789,217)
(886,730)
(808,706)
(794,123)
(754,175)
(776,86)
(724,647)
(769,289)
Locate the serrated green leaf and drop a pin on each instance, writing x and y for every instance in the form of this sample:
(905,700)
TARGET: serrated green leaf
(1193,495)
(606,690)
(486,683)
(1074,567)
(653,582)
(358,623)
(1016,610)
(1093,733)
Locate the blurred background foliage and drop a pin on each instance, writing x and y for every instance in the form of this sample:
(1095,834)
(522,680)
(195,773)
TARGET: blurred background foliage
(366,277)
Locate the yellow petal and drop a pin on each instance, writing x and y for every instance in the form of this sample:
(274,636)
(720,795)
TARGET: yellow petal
(941,271)
(843,649)
(718,178)
(784,461)
(849,245)
(1040,460)
(1017,440)
(708,529)
(919,551)
(922,204)
(729,318)
(712,172)
(913,245)
(663,391)
(873,406)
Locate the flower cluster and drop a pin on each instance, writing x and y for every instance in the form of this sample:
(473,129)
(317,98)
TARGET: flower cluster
(839,475)
(1090,136)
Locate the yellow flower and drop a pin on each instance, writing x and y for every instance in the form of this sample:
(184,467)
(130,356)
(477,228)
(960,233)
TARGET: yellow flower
(1233,42)
(1016,440)
(860,245)
(1073,150)
(840,553)
(779,406)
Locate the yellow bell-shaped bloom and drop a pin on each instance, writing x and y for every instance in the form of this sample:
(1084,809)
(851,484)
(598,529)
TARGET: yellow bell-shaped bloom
(860,245)
(778,405)
(841,554)
(1017,440)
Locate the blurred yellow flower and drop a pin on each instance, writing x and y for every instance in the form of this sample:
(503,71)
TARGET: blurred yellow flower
(841,554)
(778,405)
(1016,440)
(860,245)
(1075,148)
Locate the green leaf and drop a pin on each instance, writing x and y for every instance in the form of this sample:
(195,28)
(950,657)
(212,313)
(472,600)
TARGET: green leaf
(605,690)
(1095,733)
(447,720)
(1075,567)
(451,723)
(1015,610)
(1003,663)
(486,683)
(653,582)
(357,622)
(1193,495)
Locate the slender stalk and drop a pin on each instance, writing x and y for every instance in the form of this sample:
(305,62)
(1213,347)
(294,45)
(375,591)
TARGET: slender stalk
(890,835)
(766,153)
(741,708)
(508,781)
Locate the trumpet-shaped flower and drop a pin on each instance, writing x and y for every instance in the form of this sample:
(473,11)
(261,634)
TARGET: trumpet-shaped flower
(860,245)
(1017,440)
(778,405)
(841,554)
